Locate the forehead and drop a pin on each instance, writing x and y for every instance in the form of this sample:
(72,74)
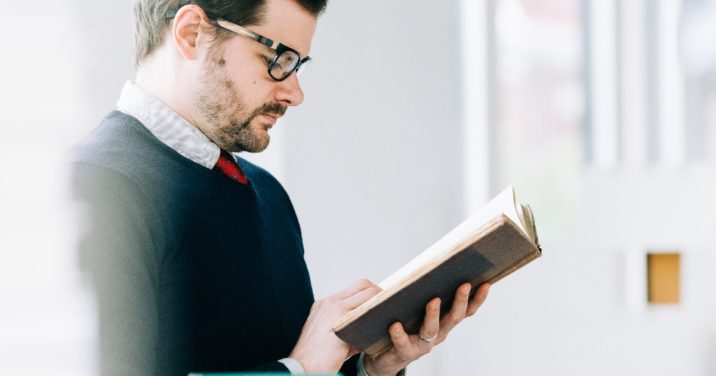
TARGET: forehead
(287,22)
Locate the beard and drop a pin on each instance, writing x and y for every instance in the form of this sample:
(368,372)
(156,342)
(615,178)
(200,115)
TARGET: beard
(227,121)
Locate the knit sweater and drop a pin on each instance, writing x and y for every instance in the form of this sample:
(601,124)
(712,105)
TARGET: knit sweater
(193,271)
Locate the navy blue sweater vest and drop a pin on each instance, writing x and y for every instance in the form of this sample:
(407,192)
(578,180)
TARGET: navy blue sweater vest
(193,271)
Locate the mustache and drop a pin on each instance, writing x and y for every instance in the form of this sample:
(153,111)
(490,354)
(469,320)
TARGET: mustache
(272,108)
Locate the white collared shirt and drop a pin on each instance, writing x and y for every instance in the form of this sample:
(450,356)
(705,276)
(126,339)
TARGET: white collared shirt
(168,126)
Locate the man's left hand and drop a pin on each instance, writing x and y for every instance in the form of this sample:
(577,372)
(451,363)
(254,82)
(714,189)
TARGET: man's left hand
(407,348)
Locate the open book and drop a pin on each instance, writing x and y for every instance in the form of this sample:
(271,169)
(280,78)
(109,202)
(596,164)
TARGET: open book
(497,240)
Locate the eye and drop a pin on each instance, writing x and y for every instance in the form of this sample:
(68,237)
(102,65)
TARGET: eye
(278,65)
(266,59)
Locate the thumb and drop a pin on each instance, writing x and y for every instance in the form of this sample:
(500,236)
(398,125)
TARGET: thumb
(352,351)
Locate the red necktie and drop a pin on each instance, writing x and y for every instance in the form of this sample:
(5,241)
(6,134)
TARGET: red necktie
(227,164)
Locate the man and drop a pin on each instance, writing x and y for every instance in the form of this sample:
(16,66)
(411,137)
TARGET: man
(197,254)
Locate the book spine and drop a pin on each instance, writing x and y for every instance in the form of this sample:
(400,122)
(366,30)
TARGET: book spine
(533,255)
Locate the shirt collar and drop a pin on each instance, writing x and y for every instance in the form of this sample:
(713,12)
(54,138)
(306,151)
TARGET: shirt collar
(167,126)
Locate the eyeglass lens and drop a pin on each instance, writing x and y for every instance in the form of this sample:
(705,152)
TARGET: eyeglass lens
(284,64)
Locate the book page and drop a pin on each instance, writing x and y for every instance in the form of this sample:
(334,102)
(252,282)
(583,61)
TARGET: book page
(503,203)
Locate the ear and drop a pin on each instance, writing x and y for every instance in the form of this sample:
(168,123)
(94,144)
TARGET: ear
(188,31)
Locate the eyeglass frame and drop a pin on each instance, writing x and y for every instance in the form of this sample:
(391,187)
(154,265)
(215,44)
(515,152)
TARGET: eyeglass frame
(244,32)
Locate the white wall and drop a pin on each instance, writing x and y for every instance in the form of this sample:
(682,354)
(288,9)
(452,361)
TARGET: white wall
(372,159)
(62,65)
(576,312)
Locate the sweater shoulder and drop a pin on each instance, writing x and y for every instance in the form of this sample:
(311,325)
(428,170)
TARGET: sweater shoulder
(122,144)
(120,138)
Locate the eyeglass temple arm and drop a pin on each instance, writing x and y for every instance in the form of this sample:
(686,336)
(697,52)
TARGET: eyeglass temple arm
(245,32)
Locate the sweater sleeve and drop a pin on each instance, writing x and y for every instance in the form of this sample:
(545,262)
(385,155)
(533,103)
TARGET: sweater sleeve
(118,251)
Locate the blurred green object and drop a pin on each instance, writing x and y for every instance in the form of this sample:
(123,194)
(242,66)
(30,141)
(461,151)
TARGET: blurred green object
(260,374)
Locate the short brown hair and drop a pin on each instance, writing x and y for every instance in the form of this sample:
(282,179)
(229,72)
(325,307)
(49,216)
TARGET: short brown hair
(151,22)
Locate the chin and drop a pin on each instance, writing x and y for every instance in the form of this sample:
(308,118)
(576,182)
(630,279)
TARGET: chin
(256,145)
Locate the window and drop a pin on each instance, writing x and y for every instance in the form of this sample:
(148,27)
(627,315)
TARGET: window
(538,119)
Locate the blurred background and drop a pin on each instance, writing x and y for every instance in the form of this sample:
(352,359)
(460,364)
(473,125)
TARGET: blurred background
(601,113)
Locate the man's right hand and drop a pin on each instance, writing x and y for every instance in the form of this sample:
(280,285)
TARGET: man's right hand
(319,350)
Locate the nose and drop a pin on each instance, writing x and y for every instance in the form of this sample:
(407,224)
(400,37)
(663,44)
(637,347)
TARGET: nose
(289,91)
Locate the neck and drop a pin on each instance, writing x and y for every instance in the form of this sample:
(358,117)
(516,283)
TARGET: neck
(160,75)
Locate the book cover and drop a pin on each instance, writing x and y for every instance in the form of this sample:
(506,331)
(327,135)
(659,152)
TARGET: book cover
(479,250)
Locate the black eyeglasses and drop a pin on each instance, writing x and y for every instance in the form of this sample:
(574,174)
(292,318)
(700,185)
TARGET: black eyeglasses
(286,60)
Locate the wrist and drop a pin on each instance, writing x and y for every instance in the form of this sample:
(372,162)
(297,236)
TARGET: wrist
(303,363)
(372,368)
(294,366)
(367,365)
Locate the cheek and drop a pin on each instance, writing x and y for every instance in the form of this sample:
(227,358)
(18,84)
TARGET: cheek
(251,81)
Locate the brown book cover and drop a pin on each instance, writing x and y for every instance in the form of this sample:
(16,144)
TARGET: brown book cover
(485,253)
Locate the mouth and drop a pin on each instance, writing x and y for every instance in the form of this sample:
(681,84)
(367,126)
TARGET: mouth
(270,118)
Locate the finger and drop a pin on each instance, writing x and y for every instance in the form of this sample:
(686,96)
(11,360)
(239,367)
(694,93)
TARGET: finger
(431,323)
(458,310)
(360,297)
(478,299)
(400,339)
(355,288)
(352,352)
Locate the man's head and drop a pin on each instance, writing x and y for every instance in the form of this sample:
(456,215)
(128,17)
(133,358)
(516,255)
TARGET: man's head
(213,62)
